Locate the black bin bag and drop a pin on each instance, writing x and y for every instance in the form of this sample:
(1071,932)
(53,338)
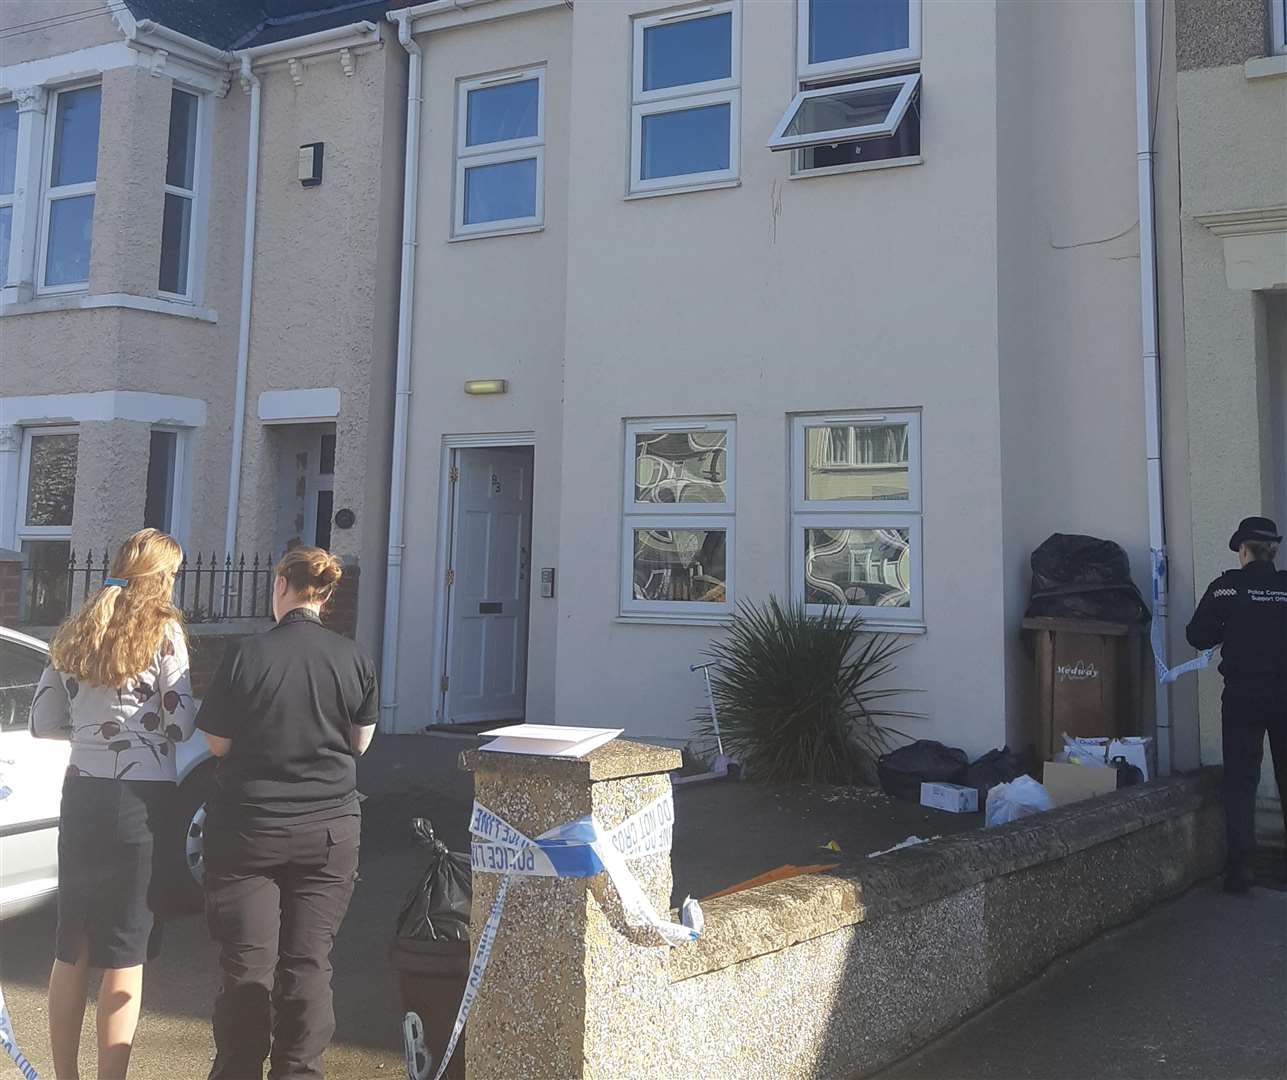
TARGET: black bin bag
(1082,577)
(902,771)
(431,950)
(994,767)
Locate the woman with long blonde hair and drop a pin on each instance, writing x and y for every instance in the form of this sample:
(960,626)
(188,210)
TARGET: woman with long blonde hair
(118,689)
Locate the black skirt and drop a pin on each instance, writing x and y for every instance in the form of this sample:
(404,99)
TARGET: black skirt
(107,840)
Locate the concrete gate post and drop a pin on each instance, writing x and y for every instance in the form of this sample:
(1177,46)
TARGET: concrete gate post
(570,991)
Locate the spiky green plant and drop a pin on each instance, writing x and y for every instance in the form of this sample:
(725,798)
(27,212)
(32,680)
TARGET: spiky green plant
(797,694)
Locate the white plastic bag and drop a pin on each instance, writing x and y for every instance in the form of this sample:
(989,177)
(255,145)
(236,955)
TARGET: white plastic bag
(1017,799)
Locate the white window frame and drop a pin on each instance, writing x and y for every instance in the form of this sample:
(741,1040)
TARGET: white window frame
(199,198)
(66,191)
(849,65)
(498,153)
(1278,18)
(708,516)
(22,530)
(893,119)
(645,103)
(10,199)
(860,514)
(180,505)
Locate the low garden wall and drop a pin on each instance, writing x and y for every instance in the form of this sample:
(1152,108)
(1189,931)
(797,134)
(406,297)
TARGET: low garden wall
(824,976)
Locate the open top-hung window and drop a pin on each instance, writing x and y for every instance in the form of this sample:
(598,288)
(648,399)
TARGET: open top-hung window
(859,84)
(500,153)
(856,514)
(685,102)
(678,532)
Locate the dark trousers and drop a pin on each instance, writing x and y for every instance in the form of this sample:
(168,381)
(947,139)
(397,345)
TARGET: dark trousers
(275,899)
(1246,720)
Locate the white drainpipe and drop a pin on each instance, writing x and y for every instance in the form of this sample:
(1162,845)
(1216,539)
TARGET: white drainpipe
(1152,376)
(402,393)
(243,328)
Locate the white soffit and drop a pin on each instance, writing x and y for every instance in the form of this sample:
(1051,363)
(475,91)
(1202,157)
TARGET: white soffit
(299,406)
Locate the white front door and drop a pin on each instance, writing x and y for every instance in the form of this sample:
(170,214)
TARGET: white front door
(489,585)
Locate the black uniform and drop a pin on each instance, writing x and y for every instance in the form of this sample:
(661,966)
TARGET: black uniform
(1245,611)
(282,839)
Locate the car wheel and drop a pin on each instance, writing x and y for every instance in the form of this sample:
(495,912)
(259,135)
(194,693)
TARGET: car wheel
(183,862)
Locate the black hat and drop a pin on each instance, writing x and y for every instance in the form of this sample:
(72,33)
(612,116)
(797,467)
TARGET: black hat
(1255,528)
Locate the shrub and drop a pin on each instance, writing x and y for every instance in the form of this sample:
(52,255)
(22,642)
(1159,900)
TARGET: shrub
(796,697)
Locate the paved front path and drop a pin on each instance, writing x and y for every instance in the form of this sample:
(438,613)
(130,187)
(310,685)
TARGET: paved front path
(1196,989)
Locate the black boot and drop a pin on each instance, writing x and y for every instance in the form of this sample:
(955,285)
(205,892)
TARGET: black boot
(1238,880)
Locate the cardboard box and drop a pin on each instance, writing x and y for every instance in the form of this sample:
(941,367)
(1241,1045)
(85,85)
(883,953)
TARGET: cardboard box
(1072,783)
(953,798)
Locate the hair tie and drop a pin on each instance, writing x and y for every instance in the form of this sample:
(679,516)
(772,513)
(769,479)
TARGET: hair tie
(119,582)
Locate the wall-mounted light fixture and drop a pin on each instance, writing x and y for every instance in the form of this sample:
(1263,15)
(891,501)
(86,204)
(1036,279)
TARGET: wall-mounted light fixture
(310,164)
(487,386)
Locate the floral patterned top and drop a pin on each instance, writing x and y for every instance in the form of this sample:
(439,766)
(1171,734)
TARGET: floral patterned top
(125,733)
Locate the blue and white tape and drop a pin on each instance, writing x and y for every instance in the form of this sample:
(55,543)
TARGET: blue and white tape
(576,849)
(1165,674)
(10,1044)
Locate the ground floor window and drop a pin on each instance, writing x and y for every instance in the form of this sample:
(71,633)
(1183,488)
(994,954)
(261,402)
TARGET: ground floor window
(677,537)
(856,539)
(46,500)
(166,470)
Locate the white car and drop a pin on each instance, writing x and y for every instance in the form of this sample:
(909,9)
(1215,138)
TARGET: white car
(31,784)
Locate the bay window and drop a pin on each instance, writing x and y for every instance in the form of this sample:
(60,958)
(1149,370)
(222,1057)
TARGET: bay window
(685,114)
(8,179)
(67,212)
(677,537)
(180,210)
(856,515)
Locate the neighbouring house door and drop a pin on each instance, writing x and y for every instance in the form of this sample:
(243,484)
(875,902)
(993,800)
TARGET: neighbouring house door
(488,584)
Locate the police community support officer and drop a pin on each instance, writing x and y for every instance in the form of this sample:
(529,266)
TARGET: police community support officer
(1245,611)
(288,713)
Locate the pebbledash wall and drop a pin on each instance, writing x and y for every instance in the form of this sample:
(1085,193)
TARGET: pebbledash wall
(119,358)
(991,285)
(1232,95)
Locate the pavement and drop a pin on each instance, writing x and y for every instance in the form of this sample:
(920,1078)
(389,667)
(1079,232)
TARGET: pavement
(1187,984)
(1196,989)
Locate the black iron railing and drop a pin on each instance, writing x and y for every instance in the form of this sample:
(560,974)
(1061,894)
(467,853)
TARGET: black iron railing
(209,589)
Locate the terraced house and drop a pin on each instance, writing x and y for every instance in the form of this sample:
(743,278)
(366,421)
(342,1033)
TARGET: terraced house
(199,210)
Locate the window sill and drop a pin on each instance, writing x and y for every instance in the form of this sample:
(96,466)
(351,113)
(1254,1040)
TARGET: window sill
(86,301)
(673,620)
(857,167)
(915,629)
(683,189)
(1266,67)
(517,230)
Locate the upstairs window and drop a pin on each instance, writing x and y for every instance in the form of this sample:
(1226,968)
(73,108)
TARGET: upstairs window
(1278,24)
(859,84)
(500,153)
(840,37)
(67,216)
(179,215)
(8,176)
(686,99)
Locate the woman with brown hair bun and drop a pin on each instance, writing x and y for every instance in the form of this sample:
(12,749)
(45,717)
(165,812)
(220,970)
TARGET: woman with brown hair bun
(288,714)
(118,688)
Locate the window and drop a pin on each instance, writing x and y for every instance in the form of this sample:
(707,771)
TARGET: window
(165,475)
(678,532)
(686,103)
(1278,19)
(46,498)
(858,94)
(8,176)
(68,213)
(839,37)
(20,671)
(856,514)
(180,211)
(500,153)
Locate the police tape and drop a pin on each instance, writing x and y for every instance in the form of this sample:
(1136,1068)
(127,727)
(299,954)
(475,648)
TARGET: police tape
(576,849)
(10,1044)
(1165,674)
